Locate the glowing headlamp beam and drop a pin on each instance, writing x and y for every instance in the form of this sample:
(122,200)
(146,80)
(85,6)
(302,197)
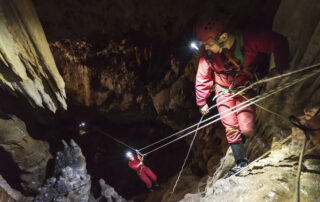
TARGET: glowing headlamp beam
(82,124)
(194,46)
(129,154)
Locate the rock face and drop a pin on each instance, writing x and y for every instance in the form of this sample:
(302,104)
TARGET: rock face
(27,67)
(29,154)
(108,193)
(269,179)
(118,80)
(71,181)
(10,195)
(274,177)
(304,51)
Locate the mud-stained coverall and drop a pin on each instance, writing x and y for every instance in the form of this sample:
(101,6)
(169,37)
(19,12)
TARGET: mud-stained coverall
(253,43)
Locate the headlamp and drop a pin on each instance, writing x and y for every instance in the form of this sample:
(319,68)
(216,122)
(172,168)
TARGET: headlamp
(194,45)
(82,124)
(128,154)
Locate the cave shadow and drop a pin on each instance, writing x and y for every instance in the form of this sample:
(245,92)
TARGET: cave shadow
(10,170)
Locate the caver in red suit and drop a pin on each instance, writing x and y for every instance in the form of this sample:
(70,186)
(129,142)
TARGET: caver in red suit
(145,174)
(229,61)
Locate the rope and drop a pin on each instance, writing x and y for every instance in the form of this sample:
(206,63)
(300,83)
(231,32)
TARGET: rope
(265,109)
(256,99)
(185,160)
(239,92)
(267,80)
(296,196)
(113,138)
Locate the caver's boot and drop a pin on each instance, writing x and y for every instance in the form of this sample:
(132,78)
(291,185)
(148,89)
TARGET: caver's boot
(239,157)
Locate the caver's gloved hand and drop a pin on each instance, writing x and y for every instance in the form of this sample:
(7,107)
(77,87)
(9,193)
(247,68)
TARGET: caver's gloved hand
(204,109)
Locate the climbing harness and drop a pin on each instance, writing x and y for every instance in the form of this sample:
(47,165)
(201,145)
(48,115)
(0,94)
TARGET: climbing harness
(234,91)
(238,64)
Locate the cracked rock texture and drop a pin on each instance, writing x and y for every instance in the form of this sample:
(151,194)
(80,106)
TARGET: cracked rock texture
(274,176)
(26,64)
(29,154)
(270,179)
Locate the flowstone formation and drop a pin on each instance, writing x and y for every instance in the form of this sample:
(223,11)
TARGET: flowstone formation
(71,181)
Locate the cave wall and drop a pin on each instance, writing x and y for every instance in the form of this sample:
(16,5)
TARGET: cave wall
(30,155)
(10,195)
(162,21)
(301,27)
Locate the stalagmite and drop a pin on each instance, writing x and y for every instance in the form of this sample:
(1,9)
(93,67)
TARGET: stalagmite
(70,180)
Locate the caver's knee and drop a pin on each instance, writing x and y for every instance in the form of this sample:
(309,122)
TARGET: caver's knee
(246,124)
(247,129)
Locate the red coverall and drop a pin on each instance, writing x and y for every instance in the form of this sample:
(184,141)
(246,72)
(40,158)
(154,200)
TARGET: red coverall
(143,172)
(253,43)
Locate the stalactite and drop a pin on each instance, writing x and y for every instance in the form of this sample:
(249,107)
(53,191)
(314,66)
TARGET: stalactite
(27,66)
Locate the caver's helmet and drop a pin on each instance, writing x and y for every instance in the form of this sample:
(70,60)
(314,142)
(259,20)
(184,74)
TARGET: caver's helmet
(208,28)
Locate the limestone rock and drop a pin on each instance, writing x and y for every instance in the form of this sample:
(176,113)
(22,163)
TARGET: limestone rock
(27,66)
(269,179)
(71,181)
(10,195)
(29,154)
(109,193)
